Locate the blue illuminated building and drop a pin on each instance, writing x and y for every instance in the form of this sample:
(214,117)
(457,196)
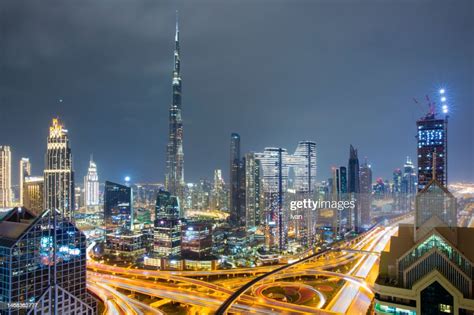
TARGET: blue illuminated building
(42,265)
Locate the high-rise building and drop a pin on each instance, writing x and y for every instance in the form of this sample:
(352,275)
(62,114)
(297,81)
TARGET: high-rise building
(43,265)
(58,171)
(33,190)
(353,187)
(196,240)
(174,179)
(365,197)
(25,171)
(341,182)
(396,190)
(253,214)
(274,164)
(167,234)
(408,186)
(237,176)
(5,176)
(91,186)
(432,141)
(303,161)
(118,207)
(303,168)
(219,194)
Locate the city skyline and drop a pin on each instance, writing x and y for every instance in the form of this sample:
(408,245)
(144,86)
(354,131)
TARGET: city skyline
(305,123)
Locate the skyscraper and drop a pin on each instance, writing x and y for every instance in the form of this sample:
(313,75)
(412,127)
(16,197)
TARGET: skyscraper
(353,186)
(118,209)
(219,196)
(43,262)
(237,176)
(409,178)
(58,171)
(25,171)
(174,179)
(5,176)
(432,138)
(91,186)
(365,196)
(167,234)
(253,213)
(408,185)
(33,190)
(303,165)
(274,164)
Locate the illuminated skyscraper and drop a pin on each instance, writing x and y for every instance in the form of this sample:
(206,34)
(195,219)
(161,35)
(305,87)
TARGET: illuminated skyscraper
(33,190)
(25,171)
(303,165)
(118,208)
(58,172)
(174,179)
(274,164)
(219,195)
(409,178)
(236,183)
(91,186)
(432,138)
(5,176)
(365,197)
(167,234)
(353,187)
(253,213)
(43,262)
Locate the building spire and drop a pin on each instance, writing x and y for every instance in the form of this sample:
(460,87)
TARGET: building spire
(176,36)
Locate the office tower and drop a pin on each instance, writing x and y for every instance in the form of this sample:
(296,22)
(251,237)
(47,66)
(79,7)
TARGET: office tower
(167,234)
(196,240)
(341,182)
(432,138)
(33,190)
(174,179)
(91,186)
(219,195)
(274,165)
(397,190)
(58,171)
(43,262)
(118,207)
(430,266)
(353,187)
(365,199)
(253,214)
(353,184)
(25,171)
(237,175)
(409,178)
(5,176)
(408,185)
(303,166)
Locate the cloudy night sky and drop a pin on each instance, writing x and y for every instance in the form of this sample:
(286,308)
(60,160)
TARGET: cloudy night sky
(276,72)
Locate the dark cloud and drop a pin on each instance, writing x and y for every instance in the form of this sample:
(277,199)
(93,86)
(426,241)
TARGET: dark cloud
(337,72)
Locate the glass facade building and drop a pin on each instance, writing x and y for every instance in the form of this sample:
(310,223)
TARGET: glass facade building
(42,265)
(167,231)
(58,171)
(432,141)
(118,209)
